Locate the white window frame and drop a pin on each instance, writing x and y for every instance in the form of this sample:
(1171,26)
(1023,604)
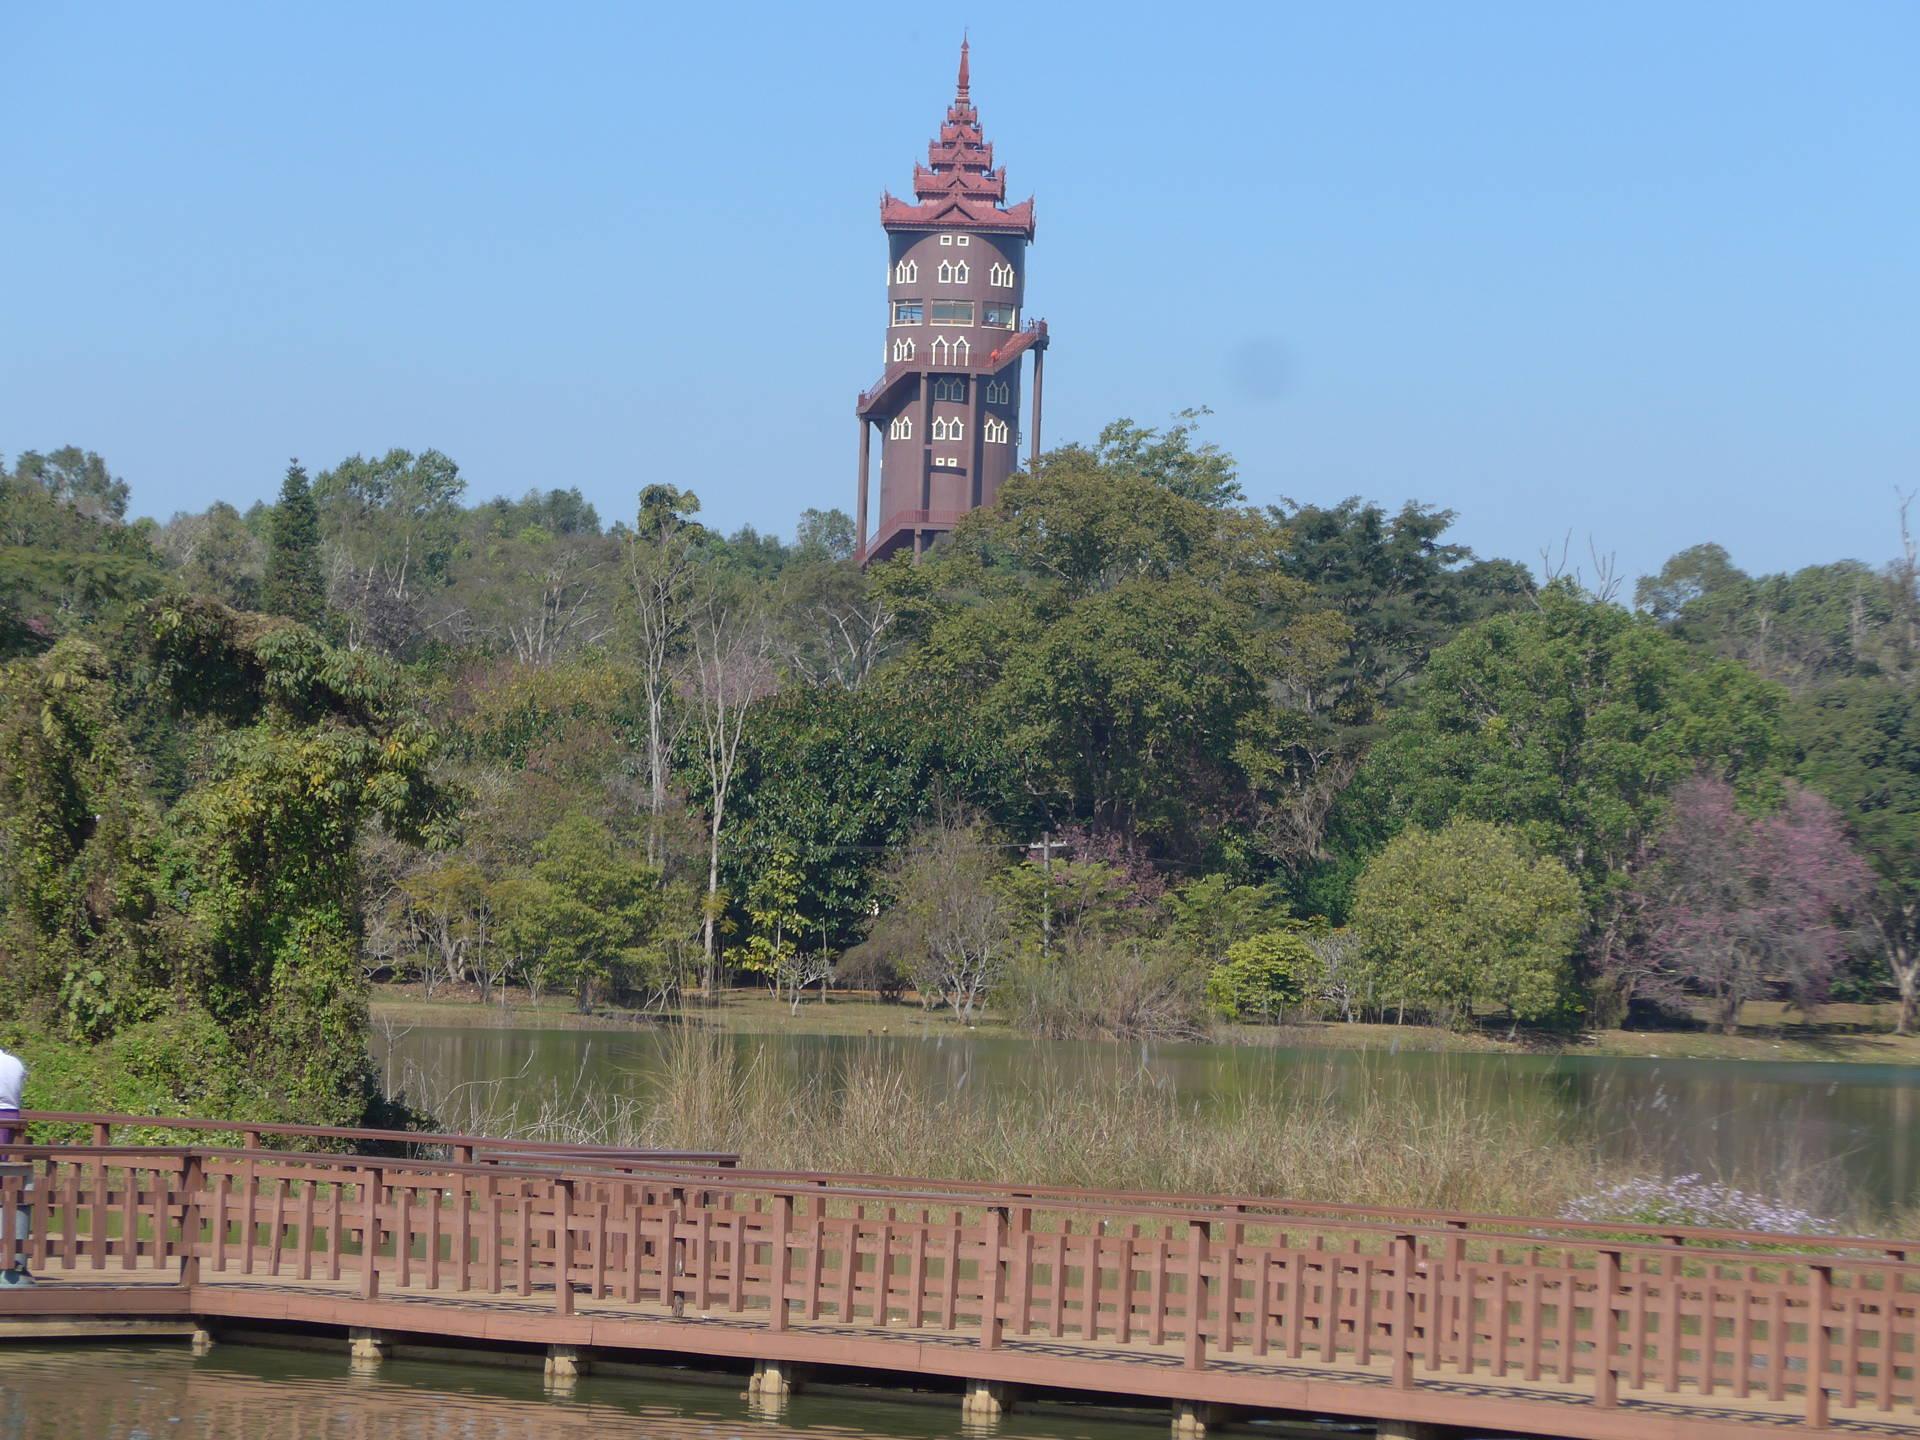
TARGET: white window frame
(963,239)
(901,428)
(996,430)
(902,348)
(962,352)
(940,346)
(1000,276)
(1013,316)
(920,304)
(946,239)
(953,272)
(933,315)
(906,272)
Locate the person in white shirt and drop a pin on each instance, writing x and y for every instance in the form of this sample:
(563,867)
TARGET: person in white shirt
(13,1078)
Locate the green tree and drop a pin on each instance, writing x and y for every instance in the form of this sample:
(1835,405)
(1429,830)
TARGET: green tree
(1859,745)
(66,561)
(215,553)
(1169,458)
(77,478)
(1264,975)
(81,938)
(1401,586)
(836,780)
(1570,721)
(241,902)
(292,585)
(393,524)
(777,936)
(1820,623)
(1130,649)
(589,917)
(1467,917)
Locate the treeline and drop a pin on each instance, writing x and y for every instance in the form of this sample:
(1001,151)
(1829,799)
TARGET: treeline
(1126,754)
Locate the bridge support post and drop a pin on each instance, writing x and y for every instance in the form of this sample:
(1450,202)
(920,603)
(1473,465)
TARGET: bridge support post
(566,1362)
(1407,1430)
(1192,1419)
(367,1347)
(986,1400)
(202,1338)
(772,1380)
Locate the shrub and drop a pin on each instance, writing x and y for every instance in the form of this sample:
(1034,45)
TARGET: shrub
(1467,916)
(1689,1200)
(1094,988)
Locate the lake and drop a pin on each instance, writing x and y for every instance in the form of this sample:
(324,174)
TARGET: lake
(162,1392)
(1854,1127)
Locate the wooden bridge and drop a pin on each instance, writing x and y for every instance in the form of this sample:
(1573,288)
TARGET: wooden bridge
(1216,1305)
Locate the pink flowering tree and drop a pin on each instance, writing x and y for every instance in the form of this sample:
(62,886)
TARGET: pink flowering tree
(1735,902)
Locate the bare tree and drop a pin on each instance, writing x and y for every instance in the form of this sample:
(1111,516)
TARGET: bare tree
(1607,579)
(661,569)
(732,666)
(839,637)
(947,920)
(565,611)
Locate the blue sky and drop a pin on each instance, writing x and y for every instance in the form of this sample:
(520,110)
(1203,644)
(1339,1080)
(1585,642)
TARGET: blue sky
(1645,273)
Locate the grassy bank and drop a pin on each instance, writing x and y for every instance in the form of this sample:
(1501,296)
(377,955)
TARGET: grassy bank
(1426,1143)
(1857,1033)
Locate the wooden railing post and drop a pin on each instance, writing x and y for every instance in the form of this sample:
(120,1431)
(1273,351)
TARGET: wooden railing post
(1197,1233)
(563,1245)
(777,1262)
(1606,1329)
(193,1179)
(102,1133)
(1403,1268)
(990,1272)
(1819,1297)
(370,1183)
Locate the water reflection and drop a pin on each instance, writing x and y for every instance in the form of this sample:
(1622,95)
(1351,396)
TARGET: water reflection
(1847,1129)
(141,1392)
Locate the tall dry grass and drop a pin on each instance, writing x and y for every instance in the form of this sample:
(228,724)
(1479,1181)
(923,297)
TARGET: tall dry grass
(1401,1144)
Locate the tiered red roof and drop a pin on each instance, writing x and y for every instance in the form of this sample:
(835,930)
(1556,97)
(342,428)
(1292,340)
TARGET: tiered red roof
(958,188)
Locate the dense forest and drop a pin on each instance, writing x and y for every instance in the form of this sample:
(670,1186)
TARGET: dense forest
(1126,755)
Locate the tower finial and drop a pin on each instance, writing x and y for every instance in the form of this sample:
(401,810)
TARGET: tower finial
(961,95)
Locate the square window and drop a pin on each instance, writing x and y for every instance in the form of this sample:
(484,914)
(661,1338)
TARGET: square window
(946,239)
(963,239)
(906,312)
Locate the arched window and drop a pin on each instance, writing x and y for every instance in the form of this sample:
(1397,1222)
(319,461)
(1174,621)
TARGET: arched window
(952,272)
(996,430)
(903,347)
(949,429)
(1001,275)
(961,350)
(901,428)
(906,272)
(999,392)
(941,348)
(950,387)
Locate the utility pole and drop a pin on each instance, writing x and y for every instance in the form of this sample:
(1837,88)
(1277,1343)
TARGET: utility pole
(1046,895)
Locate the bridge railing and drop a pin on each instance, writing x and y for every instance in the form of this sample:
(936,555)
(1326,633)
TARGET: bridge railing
(1120,1275)
(101,1128)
